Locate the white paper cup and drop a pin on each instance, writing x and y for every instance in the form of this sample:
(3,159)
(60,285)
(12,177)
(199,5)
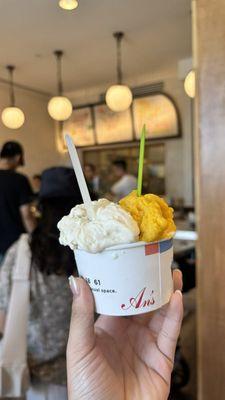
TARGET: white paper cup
(129,279)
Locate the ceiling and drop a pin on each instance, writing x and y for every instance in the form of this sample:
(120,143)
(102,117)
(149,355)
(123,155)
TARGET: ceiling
(158,32)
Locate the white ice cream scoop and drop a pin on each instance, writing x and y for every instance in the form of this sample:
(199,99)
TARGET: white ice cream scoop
(110,225)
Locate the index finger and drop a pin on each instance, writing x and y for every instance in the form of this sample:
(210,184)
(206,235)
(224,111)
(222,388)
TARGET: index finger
(170,329)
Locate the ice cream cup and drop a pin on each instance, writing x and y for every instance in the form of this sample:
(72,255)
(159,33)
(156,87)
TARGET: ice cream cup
(129,279)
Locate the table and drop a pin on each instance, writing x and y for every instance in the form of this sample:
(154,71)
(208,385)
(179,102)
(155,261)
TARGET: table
(185,239)
(182,248)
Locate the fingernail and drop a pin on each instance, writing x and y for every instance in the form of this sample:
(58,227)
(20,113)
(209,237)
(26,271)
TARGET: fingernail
(179,292)
(73,286)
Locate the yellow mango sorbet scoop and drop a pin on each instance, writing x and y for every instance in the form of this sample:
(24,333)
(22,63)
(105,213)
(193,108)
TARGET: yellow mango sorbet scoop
(152,214)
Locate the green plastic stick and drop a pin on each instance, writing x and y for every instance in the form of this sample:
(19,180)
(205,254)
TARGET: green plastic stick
(141,161)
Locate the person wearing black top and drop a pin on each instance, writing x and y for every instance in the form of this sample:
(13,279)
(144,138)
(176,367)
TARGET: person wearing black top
(15,197)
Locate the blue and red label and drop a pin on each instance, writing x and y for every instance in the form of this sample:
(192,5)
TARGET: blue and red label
(158,247)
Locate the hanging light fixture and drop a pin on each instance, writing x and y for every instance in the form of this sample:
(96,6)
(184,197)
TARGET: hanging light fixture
(119,97)
(12,116)
(68,4)
(189,84)
(59,107)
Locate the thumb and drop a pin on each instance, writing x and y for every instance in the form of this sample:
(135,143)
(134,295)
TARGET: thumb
(81,335)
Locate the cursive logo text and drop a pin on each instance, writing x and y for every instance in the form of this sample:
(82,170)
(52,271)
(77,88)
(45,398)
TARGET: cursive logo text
(140,301)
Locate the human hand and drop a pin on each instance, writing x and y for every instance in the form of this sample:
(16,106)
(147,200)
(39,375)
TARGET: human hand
(121,358)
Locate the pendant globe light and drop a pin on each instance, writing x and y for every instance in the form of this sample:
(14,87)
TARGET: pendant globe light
(68,4)
(12,116)
(189,84)
(59,107)
(119,97)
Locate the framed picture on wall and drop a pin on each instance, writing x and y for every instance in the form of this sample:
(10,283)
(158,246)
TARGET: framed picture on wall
(158,113)
(112,127)
(97,125)
(80,127)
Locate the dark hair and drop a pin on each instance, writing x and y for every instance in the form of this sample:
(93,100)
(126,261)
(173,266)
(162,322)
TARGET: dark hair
(121,164)
(91,166)
(11,149)
(47,254)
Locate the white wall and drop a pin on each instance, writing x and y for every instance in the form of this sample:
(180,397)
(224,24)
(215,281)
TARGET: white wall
(179,180)
(37,134)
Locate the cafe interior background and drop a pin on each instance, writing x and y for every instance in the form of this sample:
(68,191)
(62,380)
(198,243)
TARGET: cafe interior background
(155,58)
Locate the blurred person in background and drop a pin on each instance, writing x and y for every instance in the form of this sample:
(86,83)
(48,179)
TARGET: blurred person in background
(50,296)
(36,183)
(92,179)
(15,197)
(125,182)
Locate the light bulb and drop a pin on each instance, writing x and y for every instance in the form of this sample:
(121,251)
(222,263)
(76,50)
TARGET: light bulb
(13,117)
(68,4)
(118,98)
(60,108)
(189,84)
